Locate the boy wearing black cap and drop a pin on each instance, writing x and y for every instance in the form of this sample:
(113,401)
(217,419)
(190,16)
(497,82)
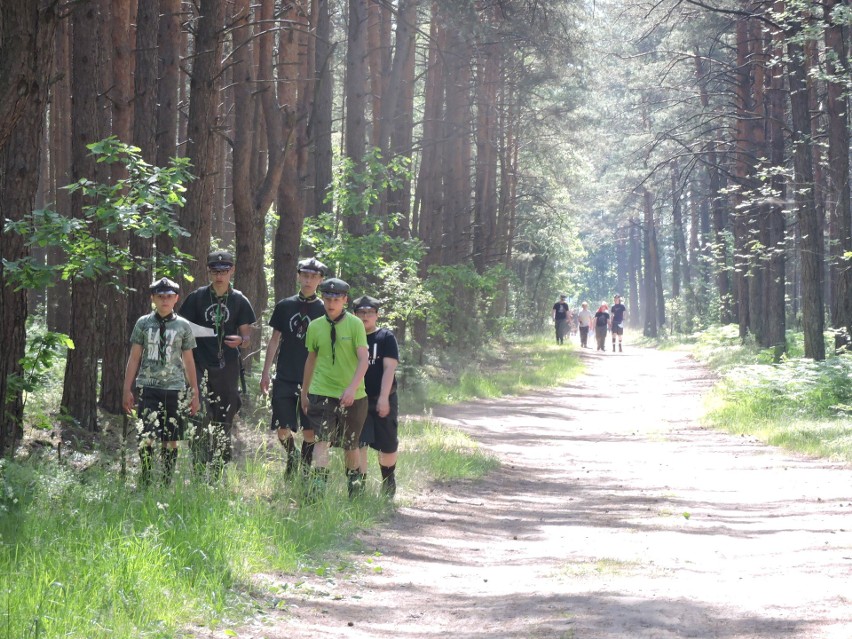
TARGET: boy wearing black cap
(161,365)
(380,430)
(333,395)
(226,311)
(289,323)
(560,317)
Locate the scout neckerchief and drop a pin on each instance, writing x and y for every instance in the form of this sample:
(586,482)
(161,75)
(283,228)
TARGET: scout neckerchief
(161,323)
(305,302)
(221,302)
(334,331)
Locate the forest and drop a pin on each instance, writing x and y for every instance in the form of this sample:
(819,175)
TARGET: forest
(464,160)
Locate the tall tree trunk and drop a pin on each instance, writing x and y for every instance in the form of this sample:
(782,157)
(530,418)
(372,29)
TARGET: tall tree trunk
(320,124)
(27,28)
(145,111)
(485,183)
(810,226)
(79,392)
(202,140)
(649,301)
(121,97)
(355,87)
(744,216)
(776,324)
(429,193)
(248,220)
(680,262)
(635,272)
(165,55)
(456,150)
(59,123)
(290,202)
(840,214)
(719,248)
(399,123)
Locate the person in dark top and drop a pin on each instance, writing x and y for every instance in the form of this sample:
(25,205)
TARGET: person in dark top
(226,311)
(560,317)
(601,322)
(289,323)
(381,427)
(619,313)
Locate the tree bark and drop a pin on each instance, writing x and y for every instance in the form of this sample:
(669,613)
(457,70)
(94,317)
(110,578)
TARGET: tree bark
(840,214)
(355,87)
(649,301)
(121,98)
(145,118)
(26,64)
(321,125)
(202,140)
(456,152)
(810,226)
(59,134)
(635,272)
(79,392)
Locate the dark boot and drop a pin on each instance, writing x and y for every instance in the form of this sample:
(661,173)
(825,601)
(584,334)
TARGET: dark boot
(356,483)
(170,456)
(307,456)
(619,347)
(388,481)
(292,460)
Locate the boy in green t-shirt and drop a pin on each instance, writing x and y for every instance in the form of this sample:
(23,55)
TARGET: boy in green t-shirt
(333,395)
(159,367)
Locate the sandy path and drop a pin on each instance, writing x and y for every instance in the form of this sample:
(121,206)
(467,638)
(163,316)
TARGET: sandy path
(614,516)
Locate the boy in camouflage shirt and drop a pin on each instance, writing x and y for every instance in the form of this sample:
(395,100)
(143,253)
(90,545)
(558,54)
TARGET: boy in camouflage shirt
(161,365)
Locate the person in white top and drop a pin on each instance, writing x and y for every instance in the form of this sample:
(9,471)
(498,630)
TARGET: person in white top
(584,319)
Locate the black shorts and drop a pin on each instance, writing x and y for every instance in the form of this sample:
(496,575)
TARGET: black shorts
(382,433)
(221,390)
(160,416)
(617,329)
(286,406)
(336,425)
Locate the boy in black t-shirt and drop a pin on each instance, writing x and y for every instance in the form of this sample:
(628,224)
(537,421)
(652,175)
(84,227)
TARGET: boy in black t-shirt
(619,312)
(560,317)
(601,323)
(380,430)
(289,323)
(226,311)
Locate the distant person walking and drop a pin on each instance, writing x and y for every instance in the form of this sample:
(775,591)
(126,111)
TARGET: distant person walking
(584,320)
(619,313)
(560,318)
(601,322)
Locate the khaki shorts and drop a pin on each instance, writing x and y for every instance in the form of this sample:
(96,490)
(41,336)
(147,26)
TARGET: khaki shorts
(334,424)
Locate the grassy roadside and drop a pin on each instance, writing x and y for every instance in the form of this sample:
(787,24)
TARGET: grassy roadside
(83,555)
(797,404)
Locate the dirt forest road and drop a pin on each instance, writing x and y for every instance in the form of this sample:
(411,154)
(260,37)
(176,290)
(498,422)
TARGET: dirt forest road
(614,516)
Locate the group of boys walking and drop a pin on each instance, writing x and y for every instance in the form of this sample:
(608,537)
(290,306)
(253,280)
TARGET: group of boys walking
(603,320)
(334,376)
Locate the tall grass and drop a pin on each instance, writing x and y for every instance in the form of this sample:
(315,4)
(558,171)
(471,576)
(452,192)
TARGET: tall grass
(797,403)
(84,556)
(526,364)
